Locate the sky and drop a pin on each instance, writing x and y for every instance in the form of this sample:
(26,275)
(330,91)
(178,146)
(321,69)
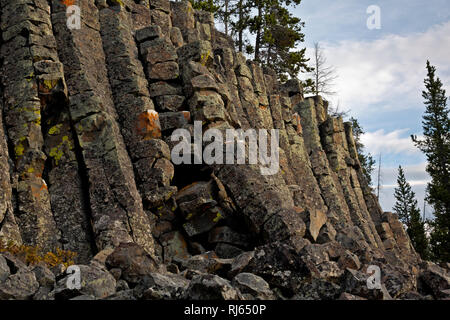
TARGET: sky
(381,72)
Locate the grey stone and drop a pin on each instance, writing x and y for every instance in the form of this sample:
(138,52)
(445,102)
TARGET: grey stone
(211,287)
(252,287)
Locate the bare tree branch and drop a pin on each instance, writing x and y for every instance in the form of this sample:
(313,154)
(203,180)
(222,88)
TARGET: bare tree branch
(323,75)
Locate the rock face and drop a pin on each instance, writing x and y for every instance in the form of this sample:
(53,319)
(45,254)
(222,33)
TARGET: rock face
(86,118)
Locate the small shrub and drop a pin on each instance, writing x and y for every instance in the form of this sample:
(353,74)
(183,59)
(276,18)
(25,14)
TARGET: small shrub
(32,255)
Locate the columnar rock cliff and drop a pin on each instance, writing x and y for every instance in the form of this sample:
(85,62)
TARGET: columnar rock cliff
(85,166)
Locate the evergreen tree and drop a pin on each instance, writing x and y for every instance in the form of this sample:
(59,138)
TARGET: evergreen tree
(409,214)
(227,9)
(404,198)
(416,232)
(239,22)
(436,146)
(205,5)
(366,160)
(280,37)
(277,35)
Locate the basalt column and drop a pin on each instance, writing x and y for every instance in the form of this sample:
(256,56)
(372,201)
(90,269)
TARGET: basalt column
(335,144)
(8,225)
(326,178)
(139,122)
(26,33)
(115,203)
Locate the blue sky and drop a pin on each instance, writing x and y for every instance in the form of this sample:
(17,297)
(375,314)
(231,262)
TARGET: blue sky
(381,73)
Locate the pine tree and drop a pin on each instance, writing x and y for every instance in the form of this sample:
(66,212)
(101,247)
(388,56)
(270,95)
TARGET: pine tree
(436,146)
(404,198)
(416,232)
(225,12)
(280,37)
(239,22)
(205,5)
(366,160)
(277,35)
(409,214)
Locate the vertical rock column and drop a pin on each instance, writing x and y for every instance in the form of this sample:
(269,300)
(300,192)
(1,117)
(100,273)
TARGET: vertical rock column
(26,33)
(65,182)
(160,15)
(228,86)
(278,123)
(401,237)
(256,113)
(8,226)
(340,197)
(372,203)
(139,122)
(116,205)
(335,144)
(297,171)
(307,193)
(259,87)
(326,178)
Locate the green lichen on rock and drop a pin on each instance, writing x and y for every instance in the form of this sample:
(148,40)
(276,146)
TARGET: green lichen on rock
(55,130)
(19,148)
(58,152)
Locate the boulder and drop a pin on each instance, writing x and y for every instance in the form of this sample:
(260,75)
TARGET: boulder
(4,269)
(252,287)
(21,285)
(211,287)
(207,262)
(163,286)
(175,246)
(95,282)
(355,282)
(434,280)
(277,263)
(44,276)
(132,260)
(349,260)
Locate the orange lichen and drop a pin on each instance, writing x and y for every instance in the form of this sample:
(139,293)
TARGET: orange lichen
(68,3)
(38,188)
(148,125)
(298,123)
(187,115)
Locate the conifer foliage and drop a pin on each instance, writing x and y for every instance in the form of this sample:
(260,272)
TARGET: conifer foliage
(409,214)
(435,144)
(263,29)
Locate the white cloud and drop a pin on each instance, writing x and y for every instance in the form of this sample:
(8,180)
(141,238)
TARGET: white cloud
(391,142)
(388,71)
(414,174)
